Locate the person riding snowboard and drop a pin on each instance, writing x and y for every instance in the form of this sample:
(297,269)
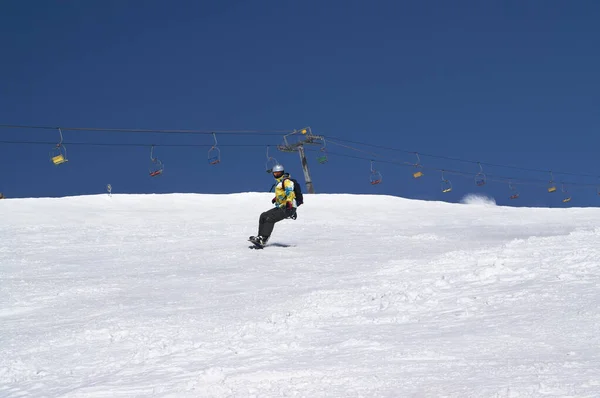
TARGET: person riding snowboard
(285,206)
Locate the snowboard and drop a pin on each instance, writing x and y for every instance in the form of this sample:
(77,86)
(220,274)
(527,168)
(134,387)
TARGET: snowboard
(256,245)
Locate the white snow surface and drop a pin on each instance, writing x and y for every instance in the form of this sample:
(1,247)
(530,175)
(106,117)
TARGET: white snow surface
(361,296)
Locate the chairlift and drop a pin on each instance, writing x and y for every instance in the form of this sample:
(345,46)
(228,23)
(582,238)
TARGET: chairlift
(480,177)
(375,176)
(58,154)
(271,162)
(156,166)
(214,153)
(418,173)
(552,187)
(446,184)
(567,198)
(322,157)
(515,195)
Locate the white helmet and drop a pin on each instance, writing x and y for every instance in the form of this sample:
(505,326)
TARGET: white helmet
(277,167)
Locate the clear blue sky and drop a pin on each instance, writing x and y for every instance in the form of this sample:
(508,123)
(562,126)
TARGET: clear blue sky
(501,82)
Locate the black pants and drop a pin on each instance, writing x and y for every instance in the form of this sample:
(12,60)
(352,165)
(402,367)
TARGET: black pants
(267,220)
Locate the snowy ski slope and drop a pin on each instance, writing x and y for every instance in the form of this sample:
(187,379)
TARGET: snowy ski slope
(361,296)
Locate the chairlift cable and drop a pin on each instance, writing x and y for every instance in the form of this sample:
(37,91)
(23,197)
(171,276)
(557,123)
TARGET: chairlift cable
(127,144)
(489,177)
(158,131)
(459,159)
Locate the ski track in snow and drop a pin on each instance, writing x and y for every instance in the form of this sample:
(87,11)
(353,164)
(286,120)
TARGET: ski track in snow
(159,295)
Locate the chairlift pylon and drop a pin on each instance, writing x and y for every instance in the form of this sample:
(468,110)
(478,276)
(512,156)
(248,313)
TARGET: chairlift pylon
(271,162)
(156,166)
(214,153)
(446,184)
(58,154)
(480,178)
(375,177)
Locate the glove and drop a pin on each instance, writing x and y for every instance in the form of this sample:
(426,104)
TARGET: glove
(274,200)
(291,211)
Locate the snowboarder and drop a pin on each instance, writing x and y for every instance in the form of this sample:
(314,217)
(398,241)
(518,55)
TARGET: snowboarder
(285,206)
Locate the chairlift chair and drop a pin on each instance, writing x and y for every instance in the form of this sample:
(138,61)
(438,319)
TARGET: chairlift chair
(567,198)
(551,187)
(446,185)
(271,162)
(515,195)
(418,173)
(156,166)
(214,153)
(58,154)
(375,177)
(480,178)
(214,156)
(322,157)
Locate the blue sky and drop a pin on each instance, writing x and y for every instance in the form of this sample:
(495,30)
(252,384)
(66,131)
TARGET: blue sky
(500,82)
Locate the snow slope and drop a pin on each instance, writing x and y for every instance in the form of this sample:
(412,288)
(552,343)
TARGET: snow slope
(361,296)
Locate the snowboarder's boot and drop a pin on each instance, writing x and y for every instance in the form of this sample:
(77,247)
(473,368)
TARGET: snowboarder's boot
(258,240)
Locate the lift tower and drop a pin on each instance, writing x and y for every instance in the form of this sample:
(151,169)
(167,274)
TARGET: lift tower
(294,142)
